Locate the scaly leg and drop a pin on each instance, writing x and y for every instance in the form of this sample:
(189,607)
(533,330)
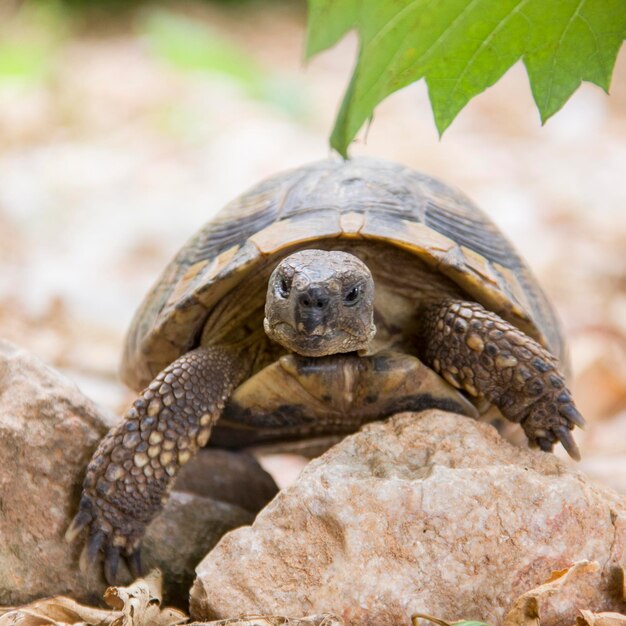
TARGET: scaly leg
(131,472)
(476,350)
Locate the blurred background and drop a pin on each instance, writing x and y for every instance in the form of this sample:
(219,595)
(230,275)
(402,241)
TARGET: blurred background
(125,126)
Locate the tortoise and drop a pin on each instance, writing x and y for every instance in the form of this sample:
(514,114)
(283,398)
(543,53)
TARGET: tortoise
(321,299)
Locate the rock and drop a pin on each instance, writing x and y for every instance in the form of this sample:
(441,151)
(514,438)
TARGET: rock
(424,513)
(176,541)
(215,492)
(48,432)
(234,477)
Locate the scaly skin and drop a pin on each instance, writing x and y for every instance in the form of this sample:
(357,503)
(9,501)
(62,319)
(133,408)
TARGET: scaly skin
(131,472)
(476,350)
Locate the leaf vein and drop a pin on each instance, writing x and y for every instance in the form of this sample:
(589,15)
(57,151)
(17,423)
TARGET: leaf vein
(442,36)
(551,79)
(486,42)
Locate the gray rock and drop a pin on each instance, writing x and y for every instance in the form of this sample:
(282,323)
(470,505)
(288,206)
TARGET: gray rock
(178,539)
(48,432)
(234,477)
(425,513)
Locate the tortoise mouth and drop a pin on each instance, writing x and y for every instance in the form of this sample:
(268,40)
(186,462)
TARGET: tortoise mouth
(301,338)
(320,342)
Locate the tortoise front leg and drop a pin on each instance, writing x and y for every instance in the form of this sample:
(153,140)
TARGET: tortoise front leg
(131,472)
(475,349)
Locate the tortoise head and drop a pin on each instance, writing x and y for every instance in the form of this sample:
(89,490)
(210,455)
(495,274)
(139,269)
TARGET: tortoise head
(320,302)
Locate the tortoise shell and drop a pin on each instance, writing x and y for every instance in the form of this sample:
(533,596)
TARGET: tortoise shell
(362,200)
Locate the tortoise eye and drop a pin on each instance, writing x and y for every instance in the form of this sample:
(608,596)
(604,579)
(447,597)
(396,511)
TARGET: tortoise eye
(352,297)
(284,287)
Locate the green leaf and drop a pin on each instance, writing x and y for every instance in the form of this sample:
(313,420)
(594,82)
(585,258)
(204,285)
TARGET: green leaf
(462,47)
(328,21)
(584,46)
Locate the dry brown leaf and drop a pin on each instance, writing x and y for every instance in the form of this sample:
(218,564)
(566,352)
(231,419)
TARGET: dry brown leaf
(136,605)
(56,611)
(417,616)
(524,612)
(556,574)
(140,604)
(588,618)
(561,590)
(325,619)
(442,622)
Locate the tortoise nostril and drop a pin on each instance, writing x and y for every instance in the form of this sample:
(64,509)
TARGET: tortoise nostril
(314,298)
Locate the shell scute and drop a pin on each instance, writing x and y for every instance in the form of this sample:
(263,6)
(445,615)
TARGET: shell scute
(351,223)
(298,229)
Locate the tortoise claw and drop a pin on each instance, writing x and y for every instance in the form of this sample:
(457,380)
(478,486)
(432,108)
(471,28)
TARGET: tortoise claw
(111,562)
(570,412)
(80,521)
(91,549)
(565,437)
(113,537)
(544,444)
(133,560)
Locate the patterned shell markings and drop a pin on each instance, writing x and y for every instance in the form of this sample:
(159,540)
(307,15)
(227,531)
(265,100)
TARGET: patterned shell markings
(361,198)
